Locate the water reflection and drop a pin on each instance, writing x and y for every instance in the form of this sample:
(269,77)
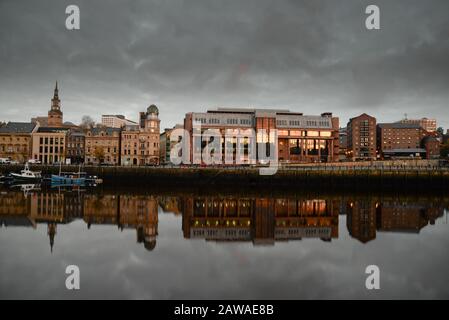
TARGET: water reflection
(366,217)
(261,220)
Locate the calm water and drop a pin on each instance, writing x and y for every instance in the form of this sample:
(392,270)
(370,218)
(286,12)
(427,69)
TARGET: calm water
(204,244)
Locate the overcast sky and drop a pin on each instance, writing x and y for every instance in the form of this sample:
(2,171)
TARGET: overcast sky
(307,56)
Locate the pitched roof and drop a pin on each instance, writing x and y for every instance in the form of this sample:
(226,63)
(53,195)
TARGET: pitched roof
(18,127)
(52,129)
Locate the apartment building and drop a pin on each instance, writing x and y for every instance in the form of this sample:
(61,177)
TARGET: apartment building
(166,145)
(116,121)
(427,124)
(76,145)
(49,145)
(15,140)
(140,143)
(405,140)
(102,146)
(361,138)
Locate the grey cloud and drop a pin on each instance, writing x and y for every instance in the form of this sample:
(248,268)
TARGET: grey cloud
(309,56)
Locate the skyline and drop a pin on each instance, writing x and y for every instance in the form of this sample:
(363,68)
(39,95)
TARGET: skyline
(309,57)
(98,117)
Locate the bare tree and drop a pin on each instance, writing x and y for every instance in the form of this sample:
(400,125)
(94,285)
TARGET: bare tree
(87,122)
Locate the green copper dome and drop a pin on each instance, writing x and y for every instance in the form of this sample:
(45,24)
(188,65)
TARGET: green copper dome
(153,110)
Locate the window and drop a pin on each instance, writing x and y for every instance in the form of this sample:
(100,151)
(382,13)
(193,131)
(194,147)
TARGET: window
(200,120)
(281,122)
(231,121)
(295,123)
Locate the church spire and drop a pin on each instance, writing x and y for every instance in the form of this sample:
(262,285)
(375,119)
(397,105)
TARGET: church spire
(55,113)
(55,96)
(51,231)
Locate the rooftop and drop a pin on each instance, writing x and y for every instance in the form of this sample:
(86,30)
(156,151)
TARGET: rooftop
(406,150)
(248,110)
(18,127)
(398,125)
(52,129)
(260,112)
(108,130)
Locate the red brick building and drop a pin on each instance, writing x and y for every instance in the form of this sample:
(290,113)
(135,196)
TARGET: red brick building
(361,137)
(406,140)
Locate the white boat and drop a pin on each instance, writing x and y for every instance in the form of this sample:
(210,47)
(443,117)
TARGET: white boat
(27,174)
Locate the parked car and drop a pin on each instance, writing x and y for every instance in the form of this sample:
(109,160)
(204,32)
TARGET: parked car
(14,162)
(34,161)
(5,161)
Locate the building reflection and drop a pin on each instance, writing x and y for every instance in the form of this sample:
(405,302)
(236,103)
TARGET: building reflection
(366,217)
(260,220)
(53,207)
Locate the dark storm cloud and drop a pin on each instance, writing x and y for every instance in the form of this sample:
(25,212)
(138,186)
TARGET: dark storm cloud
(309,56)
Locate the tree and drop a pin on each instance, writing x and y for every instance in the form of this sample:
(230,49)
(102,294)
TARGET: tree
(2,124)
(99,154)
(100,126)
(440,131)
(87,122)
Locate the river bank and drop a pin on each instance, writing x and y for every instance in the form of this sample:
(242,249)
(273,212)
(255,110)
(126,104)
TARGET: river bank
(389,175)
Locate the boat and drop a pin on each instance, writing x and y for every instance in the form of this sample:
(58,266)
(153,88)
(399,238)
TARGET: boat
(73,179)
(69,179)
(27,175)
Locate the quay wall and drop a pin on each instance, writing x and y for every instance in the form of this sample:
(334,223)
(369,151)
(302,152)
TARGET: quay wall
(386,175)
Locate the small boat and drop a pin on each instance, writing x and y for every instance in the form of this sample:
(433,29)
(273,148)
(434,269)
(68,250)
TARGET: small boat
(69,179)
(27,175)
(73,179)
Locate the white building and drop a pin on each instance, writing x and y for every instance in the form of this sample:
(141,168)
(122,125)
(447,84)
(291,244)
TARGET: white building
(116,121)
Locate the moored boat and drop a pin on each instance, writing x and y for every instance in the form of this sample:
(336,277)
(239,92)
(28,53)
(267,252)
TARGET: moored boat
(74,179)
(27,175)
(69,178)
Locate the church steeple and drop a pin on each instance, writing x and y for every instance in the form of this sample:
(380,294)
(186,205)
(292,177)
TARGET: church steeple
(55,113)
(55,96)
(51,232)
(55,102)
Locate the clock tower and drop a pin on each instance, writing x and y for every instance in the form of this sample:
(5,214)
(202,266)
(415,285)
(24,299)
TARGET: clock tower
(55,113)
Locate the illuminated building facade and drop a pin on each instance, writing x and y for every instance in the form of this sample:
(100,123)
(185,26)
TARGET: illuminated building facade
(260,220)
(299,138)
